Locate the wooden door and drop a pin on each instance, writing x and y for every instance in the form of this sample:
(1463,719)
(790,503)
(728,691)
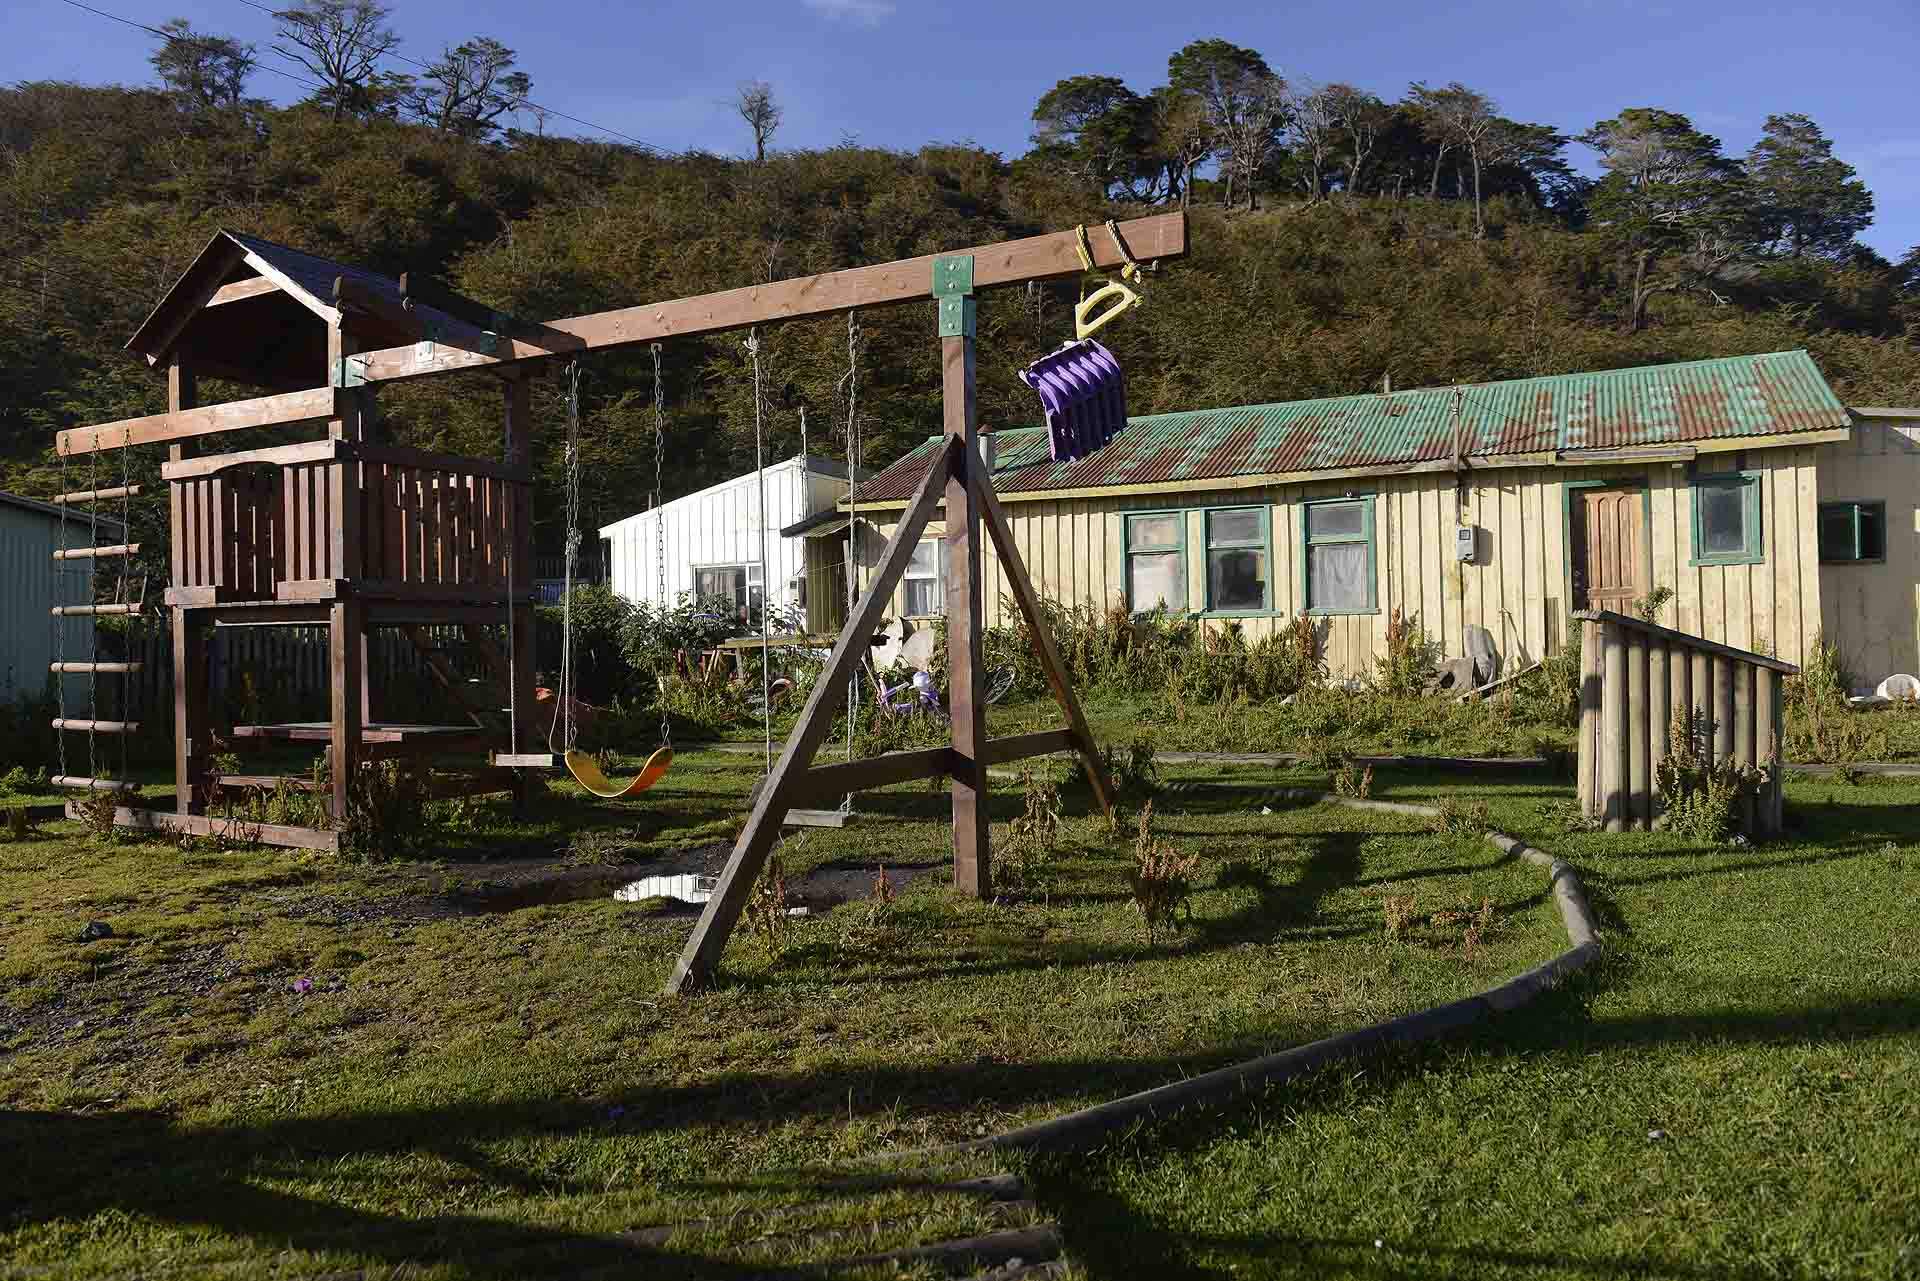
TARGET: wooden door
(1609,549)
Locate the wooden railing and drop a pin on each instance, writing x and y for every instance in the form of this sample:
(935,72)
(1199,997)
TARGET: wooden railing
(267,524)
(1635,677)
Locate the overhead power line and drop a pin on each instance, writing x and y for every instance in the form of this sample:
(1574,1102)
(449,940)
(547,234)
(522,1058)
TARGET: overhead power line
(170,38)
(552,111)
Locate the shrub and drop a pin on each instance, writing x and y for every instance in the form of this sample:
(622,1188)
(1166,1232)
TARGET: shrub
(387,814)
(1351,780)
(1463,817)
(767,908)
(1702,799)
(1135,774)
(1412,657)
(1551,693)
(1648,607)
(1026,861)
(1161,878)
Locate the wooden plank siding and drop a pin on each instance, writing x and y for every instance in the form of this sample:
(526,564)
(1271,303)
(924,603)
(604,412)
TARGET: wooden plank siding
(1871,609)
(1516,586)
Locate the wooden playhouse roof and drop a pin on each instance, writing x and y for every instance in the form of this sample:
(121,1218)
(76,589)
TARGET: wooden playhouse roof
(257,312)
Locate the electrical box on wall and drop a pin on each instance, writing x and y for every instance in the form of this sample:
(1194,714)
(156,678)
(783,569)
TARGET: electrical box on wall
(1464,542)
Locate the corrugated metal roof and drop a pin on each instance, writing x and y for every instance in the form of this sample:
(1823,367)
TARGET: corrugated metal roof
(1776,393)
(76,517)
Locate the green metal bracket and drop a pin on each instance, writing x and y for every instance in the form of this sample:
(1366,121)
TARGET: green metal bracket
(489,342)
(350,371)
(956,316)
(952,275)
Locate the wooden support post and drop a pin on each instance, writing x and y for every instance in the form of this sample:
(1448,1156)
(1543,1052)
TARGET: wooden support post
(345,624)
(1701,665)
(967,703)
(1723,749)
(701,956)
(1775,702)
(1743,723)
(1613,729)
(192,725)
(1592,652)
(1680,686)
(1639,782)
(516,453)
(1659,712)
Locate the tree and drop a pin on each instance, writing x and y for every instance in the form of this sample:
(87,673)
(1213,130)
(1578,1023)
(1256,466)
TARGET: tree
(1465,120)
(202,71)
(1245,102)
(470,86)
(1673,206)
(340,42)
(1102,133)
(1361,118)
(1907,273)
(756,106)
(1810,203)
(1313,122)
(1183,137)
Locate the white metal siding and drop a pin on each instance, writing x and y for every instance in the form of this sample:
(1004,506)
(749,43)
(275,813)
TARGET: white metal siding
(719,526)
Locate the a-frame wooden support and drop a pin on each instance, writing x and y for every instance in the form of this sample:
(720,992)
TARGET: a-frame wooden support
(970,503)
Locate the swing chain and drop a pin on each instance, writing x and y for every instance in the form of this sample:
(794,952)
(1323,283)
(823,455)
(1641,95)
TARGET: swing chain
(563,714)
(660,519)
(760,478)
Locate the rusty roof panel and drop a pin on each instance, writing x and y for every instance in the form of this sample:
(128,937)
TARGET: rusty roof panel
(1777,393)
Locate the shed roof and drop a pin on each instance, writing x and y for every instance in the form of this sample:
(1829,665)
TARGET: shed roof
(77,519)
(275,338)
(1772,394)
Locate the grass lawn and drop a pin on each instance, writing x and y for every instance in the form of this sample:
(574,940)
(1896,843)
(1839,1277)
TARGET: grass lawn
(483,1080)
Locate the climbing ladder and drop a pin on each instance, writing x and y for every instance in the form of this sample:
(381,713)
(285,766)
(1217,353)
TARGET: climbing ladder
(126,599)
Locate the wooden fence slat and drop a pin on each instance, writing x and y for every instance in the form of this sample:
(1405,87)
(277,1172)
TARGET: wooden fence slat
(1639,781)
(1614,766)
(1659,690)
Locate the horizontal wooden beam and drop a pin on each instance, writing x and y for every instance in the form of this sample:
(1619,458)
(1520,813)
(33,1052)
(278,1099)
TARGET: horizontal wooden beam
(270,782)
(1010,262)
(97,553)
(116,669)
(91,611)
(306,451)
(1018,747)
(98,727)
(312,405)
(80,783)
(524,760)
(831,782)
(1686,640)
(241,290)
(402,456)
(237,829)
(98,495)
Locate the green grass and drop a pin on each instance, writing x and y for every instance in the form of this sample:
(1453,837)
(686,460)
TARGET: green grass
(490,1091)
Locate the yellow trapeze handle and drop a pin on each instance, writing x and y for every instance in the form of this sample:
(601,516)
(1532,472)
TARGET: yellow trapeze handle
(587,772)
(1123,299)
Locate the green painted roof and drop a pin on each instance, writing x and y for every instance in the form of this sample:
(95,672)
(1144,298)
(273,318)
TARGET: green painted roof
(1772,394)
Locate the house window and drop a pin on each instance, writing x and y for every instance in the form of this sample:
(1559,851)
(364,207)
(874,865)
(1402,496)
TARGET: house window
(1853,532)
(1339,556)
(1726,519)
(1238,580)
(738,584)
(923,579)
(1156,561)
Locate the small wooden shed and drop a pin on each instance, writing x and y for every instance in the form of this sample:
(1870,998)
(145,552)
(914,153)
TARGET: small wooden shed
(1637,678)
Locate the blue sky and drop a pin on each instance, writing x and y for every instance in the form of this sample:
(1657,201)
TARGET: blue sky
(900,73)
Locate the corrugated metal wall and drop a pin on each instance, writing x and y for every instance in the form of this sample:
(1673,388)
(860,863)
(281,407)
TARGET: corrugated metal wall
(28,639)
(1517,585)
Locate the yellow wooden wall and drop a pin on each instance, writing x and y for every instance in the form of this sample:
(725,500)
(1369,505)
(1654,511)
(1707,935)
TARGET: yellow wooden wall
(1872,611)
(1516,586)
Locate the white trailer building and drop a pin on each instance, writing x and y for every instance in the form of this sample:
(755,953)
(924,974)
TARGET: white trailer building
(712,540)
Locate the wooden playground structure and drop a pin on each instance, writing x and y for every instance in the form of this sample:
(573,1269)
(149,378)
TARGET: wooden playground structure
(352,533)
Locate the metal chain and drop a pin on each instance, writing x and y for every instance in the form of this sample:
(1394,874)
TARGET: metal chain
(563,718)
(660,516)
(760,478)
(59,621)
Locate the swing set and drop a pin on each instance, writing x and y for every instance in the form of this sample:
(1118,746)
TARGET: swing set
(350,532)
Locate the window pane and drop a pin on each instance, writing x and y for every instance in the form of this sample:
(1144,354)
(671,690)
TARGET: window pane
(1153,531)
(753,572)
(925,558)
(1155,580)
(1237,579)
(923,597)
(1336,520)
(1873,531)
(1233,527)
(1337,577)
(1723,519)
(1836,531)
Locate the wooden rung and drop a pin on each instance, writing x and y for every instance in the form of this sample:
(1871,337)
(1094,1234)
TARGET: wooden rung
(816,818)
(523,760)
(98,495)
(93,784)
(99,727)
(88,553)
(83,611)
(268,782)
(122,669)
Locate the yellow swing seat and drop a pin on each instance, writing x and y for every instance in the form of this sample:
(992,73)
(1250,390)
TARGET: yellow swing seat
(587,772)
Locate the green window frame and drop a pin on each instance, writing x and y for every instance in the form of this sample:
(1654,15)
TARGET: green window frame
(1853,532)
(1233,544)
(1138,546)
(1328,536)
(1711,488)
